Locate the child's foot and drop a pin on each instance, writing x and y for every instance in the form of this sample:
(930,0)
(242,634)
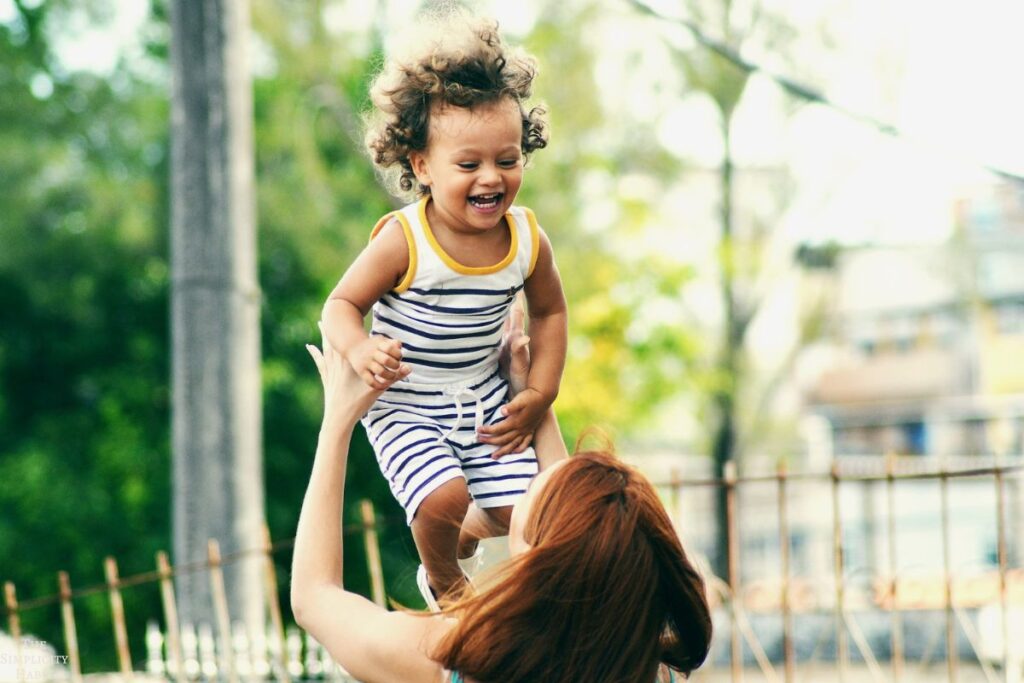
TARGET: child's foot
(471,565)
(425,590)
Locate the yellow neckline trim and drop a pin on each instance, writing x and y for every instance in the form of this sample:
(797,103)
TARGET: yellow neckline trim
(410,274)
(455,265)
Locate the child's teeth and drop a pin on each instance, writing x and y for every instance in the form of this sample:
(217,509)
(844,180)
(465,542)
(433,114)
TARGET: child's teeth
(484,199)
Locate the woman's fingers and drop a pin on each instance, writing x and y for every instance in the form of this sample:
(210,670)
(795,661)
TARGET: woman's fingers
(323,335)
(318,358)
(516,318)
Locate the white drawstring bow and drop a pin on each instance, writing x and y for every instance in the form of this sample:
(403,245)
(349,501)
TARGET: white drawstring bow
(455,391)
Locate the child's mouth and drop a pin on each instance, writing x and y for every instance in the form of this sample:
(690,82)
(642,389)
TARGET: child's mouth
(486,202)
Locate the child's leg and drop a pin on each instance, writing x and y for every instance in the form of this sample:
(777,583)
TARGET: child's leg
(435,528)
(482,523)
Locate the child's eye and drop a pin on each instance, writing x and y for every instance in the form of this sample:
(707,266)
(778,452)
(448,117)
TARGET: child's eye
(468,165)
(508,163)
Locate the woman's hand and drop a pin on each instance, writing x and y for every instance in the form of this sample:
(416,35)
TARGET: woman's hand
(514,358)
(346,395)
(526,408)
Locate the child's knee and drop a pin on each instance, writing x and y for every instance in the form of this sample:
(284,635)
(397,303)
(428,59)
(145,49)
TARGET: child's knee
(501,516)
(449,501)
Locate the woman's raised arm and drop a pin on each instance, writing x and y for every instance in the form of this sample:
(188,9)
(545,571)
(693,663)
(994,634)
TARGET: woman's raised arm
(372,644)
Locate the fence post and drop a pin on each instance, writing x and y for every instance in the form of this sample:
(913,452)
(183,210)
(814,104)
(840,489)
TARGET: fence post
(273,602)
(837,553)
(787,617)
(170,605)
(896,614)
(951,653)
(1001,557)
(14,625)
(733,550)
(67,615)
(220,608)
(124,656)
(372,544)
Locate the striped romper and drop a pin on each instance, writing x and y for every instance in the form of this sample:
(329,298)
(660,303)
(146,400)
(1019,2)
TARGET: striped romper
(450,319)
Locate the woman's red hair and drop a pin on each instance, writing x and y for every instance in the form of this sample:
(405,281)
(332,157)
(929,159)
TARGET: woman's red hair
(604,594)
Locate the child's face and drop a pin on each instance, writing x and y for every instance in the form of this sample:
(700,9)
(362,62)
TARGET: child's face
(473,163)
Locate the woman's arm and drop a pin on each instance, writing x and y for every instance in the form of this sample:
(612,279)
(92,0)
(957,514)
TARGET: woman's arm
(548,442)
(372,644)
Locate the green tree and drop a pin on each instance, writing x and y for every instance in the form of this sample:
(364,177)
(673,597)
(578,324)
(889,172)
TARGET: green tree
(83,323)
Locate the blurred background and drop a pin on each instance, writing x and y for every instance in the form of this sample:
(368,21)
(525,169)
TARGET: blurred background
(788,232)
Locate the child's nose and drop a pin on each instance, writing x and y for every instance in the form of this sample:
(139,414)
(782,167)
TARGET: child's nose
(489,175)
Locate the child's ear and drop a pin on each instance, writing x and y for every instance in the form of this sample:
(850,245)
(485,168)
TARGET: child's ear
(419,168)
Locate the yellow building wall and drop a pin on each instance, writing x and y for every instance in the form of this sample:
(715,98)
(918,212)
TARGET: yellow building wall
(1001,360)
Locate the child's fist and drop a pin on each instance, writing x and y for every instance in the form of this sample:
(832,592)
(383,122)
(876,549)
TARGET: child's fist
(377,360)
(522,416)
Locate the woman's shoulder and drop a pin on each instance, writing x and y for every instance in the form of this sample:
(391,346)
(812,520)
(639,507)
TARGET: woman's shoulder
(381,646)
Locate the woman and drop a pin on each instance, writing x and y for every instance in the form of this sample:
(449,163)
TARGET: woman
(598,589)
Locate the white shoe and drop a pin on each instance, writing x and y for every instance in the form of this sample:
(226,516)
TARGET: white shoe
(425,590)
(471,565)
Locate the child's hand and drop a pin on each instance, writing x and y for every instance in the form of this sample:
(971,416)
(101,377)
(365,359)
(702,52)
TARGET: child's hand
(514,358)
(377,361)
(523,415)
(344,392)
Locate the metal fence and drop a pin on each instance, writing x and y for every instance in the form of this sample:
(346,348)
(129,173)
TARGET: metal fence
(890,591)
(188,652)
(224,650)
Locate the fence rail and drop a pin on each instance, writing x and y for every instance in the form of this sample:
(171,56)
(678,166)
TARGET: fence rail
(186,652)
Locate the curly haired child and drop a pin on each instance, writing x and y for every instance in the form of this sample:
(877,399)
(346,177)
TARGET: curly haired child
(441,276)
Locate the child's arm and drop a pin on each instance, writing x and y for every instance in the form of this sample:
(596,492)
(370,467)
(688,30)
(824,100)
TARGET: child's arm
(548,338)
(376,270)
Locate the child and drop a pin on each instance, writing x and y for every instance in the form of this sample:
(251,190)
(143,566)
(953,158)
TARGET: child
(441,275)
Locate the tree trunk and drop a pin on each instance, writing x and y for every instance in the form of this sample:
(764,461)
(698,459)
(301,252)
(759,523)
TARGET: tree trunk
(215,298)
(723,444)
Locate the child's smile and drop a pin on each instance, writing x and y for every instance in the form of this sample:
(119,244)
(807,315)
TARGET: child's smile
(473,165)
(486,202)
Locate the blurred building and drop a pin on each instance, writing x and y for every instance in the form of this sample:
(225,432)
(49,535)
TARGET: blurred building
(928,353)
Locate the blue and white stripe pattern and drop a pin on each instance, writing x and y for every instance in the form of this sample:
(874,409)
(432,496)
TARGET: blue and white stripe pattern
(450,319)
